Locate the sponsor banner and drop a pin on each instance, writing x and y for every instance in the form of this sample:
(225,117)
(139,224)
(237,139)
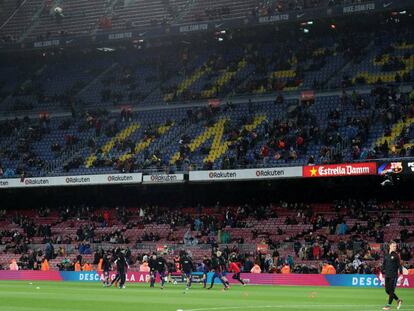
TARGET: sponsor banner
(353,280)
(119,36)
(396,167)
(366,280)
(132,178)
(390,167)
(358,8)
(26,275)
(93,276)
(163,178)
(278,279)
(351,169)
(307,95)
(273,18)
(247,174)
(48,43)
(193,28)
(410,167)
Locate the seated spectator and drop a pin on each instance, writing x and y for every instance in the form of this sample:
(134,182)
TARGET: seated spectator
(45,265)
(256,269)
(285,269)
(13,266)
(144,267)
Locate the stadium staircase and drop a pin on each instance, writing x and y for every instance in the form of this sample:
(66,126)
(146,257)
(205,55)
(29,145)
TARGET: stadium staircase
(185,85)
(386,77)
(223,79)
(35,20)
(218,148)
(215,131)
(395,132)
(143,144)
(120,137)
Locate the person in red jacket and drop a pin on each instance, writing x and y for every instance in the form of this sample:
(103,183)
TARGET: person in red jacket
(234,267)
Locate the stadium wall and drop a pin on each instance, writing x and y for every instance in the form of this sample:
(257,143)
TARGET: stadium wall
(352,280)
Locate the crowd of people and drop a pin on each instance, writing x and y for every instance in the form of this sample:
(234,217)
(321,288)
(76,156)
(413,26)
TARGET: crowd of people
(307,251)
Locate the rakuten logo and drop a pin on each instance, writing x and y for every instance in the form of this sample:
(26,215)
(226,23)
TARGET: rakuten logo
(77,180)
(222,175)
(4,183)
(120,178)
(163,178)
(36,181)
(266,173)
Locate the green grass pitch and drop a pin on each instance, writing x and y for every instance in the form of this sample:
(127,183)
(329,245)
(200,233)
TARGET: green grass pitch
(56,296)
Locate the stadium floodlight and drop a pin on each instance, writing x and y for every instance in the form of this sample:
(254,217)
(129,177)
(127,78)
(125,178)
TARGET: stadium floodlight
(220,39)
(305,30)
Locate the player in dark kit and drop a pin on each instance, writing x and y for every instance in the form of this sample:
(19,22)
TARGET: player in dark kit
(187,269)
(158,265)
(106,267)
(206,269)
(121,267)
(390,268)
(217,266)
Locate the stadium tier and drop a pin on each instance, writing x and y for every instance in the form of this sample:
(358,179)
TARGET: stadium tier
(332,129)
(348,234)
(37,19)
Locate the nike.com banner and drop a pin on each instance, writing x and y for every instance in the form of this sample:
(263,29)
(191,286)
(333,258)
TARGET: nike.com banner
(351,169)
(248,174)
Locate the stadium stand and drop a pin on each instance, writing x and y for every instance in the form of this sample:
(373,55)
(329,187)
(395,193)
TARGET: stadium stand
(255,134)
(347,234)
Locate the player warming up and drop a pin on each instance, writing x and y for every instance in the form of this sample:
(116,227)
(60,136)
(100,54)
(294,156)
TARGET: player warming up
(187,269)
(106,267)
(390,268)
(206,270)
(234,267)
(158,265)
(217,266)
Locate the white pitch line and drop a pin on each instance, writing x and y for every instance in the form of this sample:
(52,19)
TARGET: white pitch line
(311,306)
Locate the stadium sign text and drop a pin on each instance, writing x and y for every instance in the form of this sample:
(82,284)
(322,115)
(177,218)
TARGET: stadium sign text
(118,36)
(359,8)
(163,178)
(247,174)
(194,27)
(354,169)
(48,43)
(133,178)
(274,18)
